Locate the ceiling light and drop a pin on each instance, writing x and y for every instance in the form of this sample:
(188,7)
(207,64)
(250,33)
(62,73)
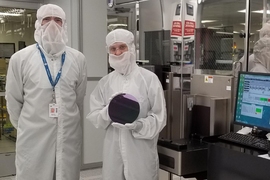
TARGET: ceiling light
(214,28)
(229,33)
(113,25)
(9,14)
(258,11)
(13,12)
(132,2)
(208,21)
(242,11)
(261,11)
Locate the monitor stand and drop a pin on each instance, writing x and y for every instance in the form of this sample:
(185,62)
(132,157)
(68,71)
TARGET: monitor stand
(259,133)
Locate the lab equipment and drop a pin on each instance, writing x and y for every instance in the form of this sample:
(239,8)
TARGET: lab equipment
(206,111)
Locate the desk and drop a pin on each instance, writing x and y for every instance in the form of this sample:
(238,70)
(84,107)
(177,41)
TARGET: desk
(232,162)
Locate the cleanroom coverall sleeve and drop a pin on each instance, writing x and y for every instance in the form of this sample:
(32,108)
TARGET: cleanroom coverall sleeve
(81,87)
(14,90)
(98,109)
(156,117)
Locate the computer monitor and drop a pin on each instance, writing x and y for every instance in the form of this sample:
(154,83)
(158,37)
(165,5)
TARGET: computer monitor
(189,9)
(252,106)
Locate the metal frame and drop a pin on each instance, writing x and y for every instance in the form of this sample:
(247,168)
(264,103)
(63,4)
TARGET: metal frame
(247,32)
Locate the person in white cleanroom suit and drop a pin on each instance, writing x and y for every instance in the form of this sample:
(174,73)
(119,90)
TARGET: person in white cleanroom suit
(46,84)
(262,55)
(130,150)
(242,60)
(264,32)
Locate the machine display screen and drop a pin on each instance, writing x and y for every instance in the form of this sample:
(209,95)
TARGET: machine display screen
(252,106)
(189,9)
(178,10)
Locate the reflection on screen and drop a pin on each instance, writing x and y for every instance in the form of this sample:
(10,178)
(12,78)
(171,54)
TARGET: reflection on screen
(253,100)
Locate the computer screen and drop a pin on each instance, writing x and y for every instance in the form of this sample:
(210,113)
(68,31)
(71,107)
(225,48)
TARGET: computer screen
(252,106)
(189,9)
(178,10)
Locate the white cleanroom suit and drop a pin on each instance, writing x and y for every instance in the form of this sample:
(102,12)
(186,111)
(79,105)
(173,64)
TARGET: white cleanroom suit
(242,60)
(47,146)
(262,55)
(130,150)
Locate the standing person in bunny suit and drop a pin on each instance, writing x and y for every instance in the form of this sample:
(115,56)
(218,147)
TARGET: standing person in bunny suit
(130,150)
(46,84)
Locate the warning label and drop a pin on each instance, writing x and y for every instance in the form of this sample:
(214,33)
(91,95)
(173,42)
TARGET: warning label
(208,79)
(177,28)
(189,28)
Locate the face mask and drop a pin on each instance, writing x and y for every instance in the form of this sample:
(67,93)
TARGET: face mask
(120,63)
(52,38)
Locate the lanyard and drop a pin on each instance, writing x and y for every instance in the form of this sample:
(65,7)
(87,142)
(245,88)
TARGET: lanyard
(53,83)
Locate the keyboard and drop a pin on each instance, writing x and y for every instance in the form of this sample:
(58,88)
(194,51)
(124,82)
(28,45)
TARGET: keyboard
(247,140)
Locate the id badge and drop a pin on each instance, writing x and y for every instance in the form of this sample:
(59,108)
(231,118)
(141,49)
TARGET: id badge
(53,110)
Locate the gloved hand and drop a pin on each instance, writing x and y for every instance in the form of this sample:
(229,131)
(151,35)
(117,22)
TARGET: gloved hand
(136,126)
(119,125)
